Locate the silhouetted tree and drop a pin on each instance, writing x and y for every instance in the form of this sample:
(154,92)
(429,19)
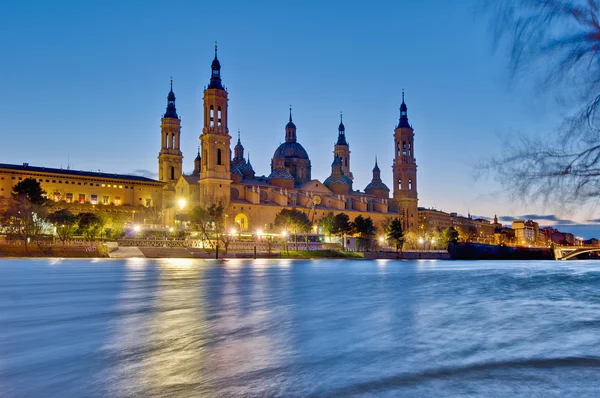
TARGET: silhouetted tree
(394,233)
(341,226)
(556,42)
(364,229)
(210,222)
(91,226)
(31,190)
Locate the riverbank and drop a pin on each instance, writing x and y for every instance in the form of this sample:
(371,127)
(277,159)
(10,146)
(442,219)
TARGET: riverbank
(101,251)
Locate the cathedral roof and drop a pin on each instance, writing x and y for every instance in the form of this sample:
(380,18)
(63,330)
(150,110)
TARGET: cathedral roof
(341,180)
(245,166)
(290,150)
(377,185)
(282,174)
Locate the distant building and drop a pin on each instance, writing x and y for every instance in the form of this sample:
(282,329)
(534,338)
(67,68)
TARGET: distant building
(526,232)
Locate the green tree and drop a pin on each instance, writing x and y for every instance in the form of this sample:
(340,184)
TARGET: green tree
(210,223)
(364,229)
(65,223)
(25,221)
(24,218)
(341,226)
(328,223)
(450,236)
(115,225)
(91,226)
(394,233)
(294,221)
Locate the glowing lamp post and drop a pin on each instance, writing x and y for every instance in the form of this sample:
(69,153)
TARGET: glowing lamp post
(181,202)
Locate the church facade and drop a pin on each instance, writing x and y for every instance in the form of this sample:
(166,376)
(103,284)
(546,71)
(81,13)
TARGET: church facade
(227,177)
(251,200)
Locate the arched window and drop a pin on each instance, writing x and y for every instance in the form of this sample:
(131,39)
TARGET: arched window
(167,140)
(409,149)
(400,184)
(346,162)
(172,173)
(410,185)
(398,149)
(404,148)
(212,116)
(218,156)
(218,116)
(173,140)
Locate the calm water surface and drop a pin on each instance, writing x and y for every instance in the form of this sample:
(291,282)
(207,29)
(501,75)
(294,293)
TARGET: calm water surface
(254,328)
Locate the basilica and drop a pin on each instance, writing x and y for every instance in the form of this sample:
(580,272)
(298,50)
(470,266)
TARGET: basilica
(252,200)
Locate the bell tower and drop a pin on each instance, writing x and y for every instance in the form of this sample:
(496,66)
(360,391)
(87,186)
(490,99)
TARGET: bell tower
(342,149)
(170,158)
(405,171)
(215,177)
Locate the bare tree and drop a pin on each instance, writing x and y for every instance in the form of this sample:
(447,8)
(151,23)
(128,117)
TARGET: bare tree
(557,44)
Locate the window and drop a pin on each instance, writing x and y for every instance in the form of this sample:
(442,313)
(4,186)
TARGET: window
(60,181)
(20,178)
(13,178)
(212,116)
(167,140)
(400,184)
(69,197)
(218,116)
(46,180)
(81,198)
(410,185)
(103,185)
(56,196)
(172,173)
(148,202)
(404,148)
(120,186)
(66,182)
(117,200)
(94,199)
(218,156)
(105,200)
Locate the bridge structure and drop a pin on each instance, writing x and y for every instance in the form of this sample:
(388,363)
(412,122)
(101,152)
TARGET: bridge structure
(570,252)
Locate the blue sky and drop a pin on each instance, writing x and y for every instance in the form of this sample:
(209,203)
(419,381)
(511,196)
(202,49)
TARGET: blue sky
(85,83)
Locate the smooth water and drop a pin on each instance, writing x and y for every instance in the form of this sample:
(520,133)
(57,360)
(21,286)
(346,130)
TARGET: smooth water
(253,328)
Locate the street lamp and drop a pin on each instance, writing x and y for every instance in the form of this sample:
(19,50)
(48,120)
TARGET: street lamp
(181,203)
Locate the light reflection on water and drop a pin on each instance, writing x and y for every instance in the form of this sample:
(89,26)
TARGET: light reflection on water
(183,327)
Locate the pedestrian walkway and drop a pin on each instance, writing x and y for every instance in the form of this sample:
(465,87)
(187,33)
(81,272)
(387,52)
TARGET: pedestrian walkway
(126,252)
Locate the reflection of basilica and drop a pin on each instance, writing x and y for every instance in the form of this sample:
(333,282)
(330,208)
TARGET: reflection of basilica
(254,200)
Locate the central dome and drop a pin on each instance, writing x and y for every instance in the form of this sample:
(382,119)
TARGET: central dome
(290,150)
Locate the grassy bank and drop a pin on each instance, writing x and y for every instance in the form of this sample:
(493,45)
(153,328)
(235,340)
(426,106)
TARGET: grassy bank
(53,251)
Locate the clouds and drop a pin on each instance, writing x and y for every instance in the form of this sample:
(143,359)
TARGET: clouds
(540,217)
(144,173)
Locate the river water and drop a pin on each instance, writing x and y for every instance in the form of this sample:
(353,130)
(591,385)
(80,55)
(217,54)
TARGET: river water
(323,328)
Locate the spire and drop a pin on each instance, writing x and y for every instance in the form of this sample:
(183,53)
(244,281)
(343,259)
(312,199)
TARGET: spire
(171,110)
(239,151)
(403,113)
(290,129)
(341,133)
(198,156)
(215,77)
(376,168)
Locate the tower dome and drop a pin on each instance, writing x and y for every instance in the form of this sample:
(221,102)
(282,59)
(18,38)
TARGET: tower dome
(293,155)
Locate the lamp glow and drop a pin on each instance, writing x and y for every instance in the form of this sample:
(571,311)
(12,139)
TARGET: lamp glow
(181,203)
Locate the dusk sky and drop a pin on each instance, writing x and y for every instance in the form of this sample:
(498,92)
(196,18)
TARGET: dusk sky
(85,83)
